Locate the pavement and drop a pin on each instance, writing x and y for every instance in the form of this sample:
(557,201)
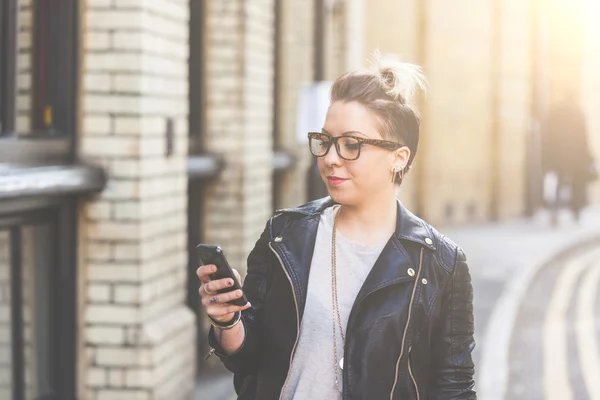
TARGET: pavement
(520,297)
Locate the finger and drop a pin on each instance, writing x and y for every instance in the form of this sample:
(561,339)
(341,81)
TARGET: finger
(203,292)
(237,275)
(203,272)
(214,286)
(211,287)
(219,310)
(222,298)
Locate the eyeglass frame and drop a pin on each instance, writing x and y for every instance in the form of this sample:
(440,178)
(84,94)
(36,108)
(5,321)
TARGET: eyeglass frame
(333,140)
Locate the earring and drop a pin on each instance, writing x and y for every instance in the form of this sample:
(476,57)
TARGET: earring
(398,171)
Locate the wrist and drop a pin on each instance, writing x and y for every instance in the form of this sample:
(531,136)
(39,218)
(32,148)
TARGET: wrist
(225,319)
(226,323)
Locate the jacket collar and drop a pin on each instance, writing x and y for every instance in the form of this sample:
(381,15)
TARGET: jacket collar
(296,243)
(408,226)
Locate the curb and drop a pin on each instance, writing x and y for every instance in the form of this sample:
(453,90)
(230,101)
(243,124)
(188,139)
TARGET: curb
(495,366)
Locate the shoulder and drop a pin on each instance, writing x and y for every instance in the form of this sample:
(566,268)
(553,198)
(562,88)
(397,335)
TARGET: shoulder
(310,208)
(416,229)
(285,216)
(447,252)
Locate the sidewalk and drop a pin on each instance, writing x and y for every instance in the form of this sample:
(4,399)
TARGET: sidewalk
(503,258)
(216,384)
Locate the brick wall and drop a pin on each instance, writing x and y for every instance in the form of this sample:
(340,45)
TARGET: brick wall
(239,116)
(5,317)
(355,34)
(296,66)
(478,82)
(336,45)
(459,111)
(514,98)
(138,335)
(31,313)
(24,64)
(391,27)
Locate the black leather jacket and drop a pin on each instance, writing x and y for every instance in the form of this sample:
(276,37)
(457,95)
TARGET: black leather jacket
(410,331)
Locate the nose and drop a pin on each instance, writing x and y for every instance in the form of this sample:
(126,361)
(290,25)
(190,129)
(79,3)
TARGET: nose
(332,157)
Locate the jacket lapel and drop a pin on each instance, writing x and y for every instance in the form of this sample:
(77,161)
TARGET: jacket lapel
(393,266)
(295,245)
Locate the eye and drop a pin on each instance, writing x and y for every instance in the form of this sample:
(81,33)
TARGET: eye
(350,143)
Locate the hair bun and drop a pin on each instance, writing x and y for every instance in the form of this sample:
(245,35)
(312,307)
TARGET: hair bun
(399,80)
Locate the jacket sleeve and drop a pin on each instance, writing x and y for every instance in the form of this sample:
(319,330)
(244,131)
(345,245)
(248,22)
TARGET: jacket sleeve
(255,285)
(452,365)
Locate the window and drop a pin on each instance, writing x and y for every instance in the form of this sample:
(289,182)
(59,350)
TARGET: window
(54,66)
(38,206)
(7,64)
(200,166)
(36,299)
(196,76)
(283,161)
(38,69)
(277,179)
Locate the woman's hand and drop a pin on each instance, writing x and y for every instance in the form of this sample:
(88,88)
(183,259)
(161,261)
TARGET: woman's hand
(215,303)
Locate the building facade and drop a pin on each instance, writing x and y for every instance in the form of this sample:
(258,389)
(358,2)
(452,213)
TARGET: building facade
(132,130)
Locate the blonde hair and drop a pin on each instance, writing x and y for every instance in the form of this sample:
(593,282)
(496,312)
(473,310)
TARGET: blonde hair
(387,88)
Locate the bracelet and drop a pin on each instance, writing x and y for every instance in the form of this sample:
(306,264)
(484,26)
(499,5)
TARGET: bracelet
(227,325)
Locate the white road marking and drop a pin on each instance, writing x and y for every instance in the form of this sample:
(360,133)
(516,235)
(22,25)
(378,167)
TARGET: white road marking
(556,366)
(589,354)
(495,363)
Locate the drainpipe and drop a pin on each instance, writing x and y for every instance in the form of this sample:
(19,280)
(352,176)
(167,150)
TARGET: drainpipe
(316,187)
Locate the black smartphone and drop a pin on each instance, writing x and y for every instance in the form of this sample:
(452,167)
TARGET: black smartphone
(210,254)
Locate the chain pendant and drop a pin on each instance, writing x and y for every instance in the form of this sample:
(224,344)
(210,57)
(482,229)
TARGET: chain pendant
(336,308)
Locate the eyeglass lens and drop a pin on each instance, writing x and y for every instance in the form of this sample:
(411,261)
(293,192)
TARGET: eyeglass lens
(348,147)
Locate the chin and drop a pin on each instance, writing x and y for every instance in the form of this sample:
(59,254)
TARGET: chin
(339,197)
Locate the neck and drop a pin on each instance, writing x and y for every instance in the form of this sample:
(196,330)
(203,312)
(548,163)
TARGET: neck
(370,223)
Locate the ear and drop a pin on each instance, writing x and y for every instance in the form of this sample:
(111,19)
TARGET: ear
(401,157)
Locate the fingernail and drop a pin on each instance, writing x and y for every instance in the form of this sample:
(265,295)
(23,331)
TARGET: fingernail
(230,283)
(238,292)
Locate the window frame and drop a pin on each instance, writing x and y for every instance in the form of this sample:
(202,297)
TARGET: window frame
(54,81)
(60,215)
(48,150)
(283,161)
(40,176)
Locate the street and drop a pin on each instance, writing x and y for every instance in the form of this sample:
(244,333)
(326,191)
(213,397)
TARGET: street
(554,351)
(537,309)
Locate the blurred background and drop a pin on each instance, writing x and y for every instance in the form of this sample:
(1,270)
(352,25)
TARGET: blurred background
(132,130)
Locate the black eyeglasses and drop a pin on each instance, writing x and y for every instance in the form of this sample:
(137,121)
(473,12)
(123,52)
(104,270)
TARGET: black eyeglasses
(347,147)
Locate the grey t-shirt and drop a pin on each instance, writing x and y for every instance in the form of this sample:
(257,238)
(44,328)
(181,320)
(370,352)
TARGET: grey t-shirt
(312,373)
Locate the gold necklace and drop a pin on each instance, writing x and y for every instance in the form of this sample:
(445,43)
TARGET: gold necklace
(335,306)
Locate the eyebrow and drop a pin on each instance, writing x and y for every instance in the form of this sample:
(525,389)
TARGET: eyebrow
(347,133)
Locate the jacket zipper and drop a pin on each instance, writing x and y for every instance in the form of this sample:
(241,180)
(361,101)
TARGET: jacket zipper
(412,298)
(211,351)
(297,318)
(414,381)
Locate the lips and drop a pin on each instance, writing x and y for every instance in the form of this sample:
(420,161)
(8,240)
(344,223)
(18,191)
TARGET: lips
(335,180)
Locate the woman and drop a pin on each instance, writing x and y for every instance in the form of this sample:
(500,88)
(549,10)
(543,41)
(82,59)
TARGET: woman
(352,296)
